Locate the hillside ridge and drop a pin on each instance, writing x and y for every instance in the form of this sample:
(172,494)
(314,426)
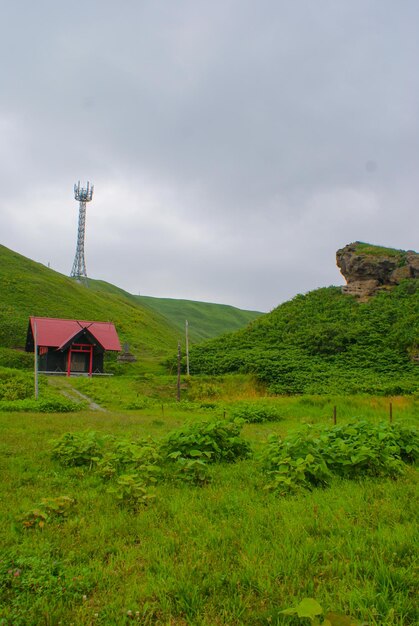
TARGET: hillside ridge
(327,341)
(30,288)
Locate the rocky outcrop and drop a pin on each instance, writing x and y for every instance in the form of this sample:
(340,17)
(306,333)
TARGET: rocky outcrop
(368,269)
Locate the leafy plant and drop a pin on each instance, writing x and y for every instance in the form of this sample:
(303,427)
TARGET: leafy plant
(138,404)
(76,449)
(293,474)
(310,609)
(311,457)
(47,509)
(192,471)
(213,441)
(124,455)
(254,413)
(132,492)
(15,385)
(43,405)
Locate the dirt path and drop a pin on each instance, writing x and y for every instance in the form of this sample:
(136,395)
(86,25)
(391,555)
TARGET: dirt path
(64,387)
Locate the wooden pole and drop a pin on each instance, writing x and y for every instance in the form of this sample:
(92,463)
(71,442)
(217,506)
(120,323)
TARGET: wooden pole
(391,412)
(178,371)
(187,346)
(35,340)
(334,415)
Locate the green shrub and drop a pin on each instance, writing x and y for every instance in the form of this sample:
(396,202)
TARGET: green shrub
(254,413)
(44,405)
(15,385)
(193,471)
(209,441)
(46,510)
(132,492)
(77,449)
(311,457)
(16,359)
(325,342)
(131,456)
(138,404)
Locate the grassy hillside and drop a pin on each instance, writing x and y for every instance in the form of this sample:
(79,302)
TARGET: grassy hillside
(29,288)
(326,342)
(151,326)
(206,320)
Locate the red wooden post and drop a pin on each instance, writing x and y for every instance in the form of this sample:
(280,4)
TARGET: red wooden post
(91,361)
(69,362)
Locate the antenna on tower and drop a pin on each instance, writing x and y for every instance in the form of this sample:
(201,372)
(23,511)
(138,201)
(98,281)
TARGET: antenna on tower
(82,195)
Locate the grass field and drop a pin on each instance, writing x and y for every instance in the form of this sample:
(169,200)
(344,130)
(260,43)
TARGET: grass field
(228,552)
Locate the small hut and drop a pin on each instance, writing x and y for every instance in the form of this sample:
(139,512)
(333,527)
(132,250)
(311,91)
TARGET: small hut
(71,347)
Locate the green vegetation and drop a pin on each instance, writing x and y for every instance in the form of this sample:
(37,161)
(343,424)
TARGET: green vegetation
(325,342)
(233,504)
(17,394)
(206,320)
(358,449)
(121,519)
(29,288)
(372,250)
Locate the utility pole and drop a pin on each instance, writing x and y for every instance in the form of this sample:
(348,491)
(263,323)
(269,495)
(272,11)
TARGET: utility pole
(187,346)
(178,371)
(35,339)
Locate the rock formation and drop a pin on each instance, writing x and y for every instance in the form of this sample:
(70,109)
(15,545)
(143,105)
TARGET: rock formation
(368,269)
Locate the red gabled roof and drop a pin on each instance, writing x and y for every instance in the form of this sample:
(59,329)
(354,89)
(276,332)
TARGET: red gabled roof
(54,333)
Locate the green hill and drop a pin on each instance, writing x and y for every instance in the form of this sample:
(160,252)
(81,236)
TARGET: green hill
(205,319)
(151,326)
(326,342)
(29,288)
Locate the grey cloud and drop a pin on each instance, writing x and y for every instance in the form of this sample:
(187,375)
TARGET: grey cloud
(246,140)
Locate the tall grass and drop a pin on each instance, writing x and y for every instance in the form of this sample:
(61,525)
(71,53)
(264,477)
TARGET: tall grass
(227,553)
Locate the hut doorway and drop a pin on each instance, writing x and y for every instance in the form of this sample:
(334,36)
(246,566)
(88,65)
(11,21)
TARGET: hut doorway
(80,358)
(79,362)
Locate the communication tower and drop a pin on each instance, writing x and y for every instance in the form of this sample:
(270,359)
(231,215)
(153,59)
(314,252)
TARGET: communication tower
(82,195)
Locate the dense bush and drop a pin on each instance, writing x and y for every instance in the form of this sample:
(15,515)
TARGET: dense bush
(132,467)
(312,457)
(15,385)
(209,441)
(16,359)
(77,449)
(44,405)
(17,394)
(253,413)
(325,342)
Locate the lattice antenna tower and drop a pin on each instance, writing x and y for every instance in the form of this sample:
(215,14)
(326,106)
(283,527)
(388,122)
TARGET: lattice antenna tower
(83,195)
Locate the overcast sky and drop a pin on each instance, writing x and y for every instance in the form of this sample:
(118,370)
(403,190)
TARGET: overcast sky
(234,145)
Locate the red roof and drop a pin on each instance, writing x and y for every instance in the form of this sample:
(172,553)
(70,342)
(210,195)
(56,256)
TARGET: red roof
(54,333)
